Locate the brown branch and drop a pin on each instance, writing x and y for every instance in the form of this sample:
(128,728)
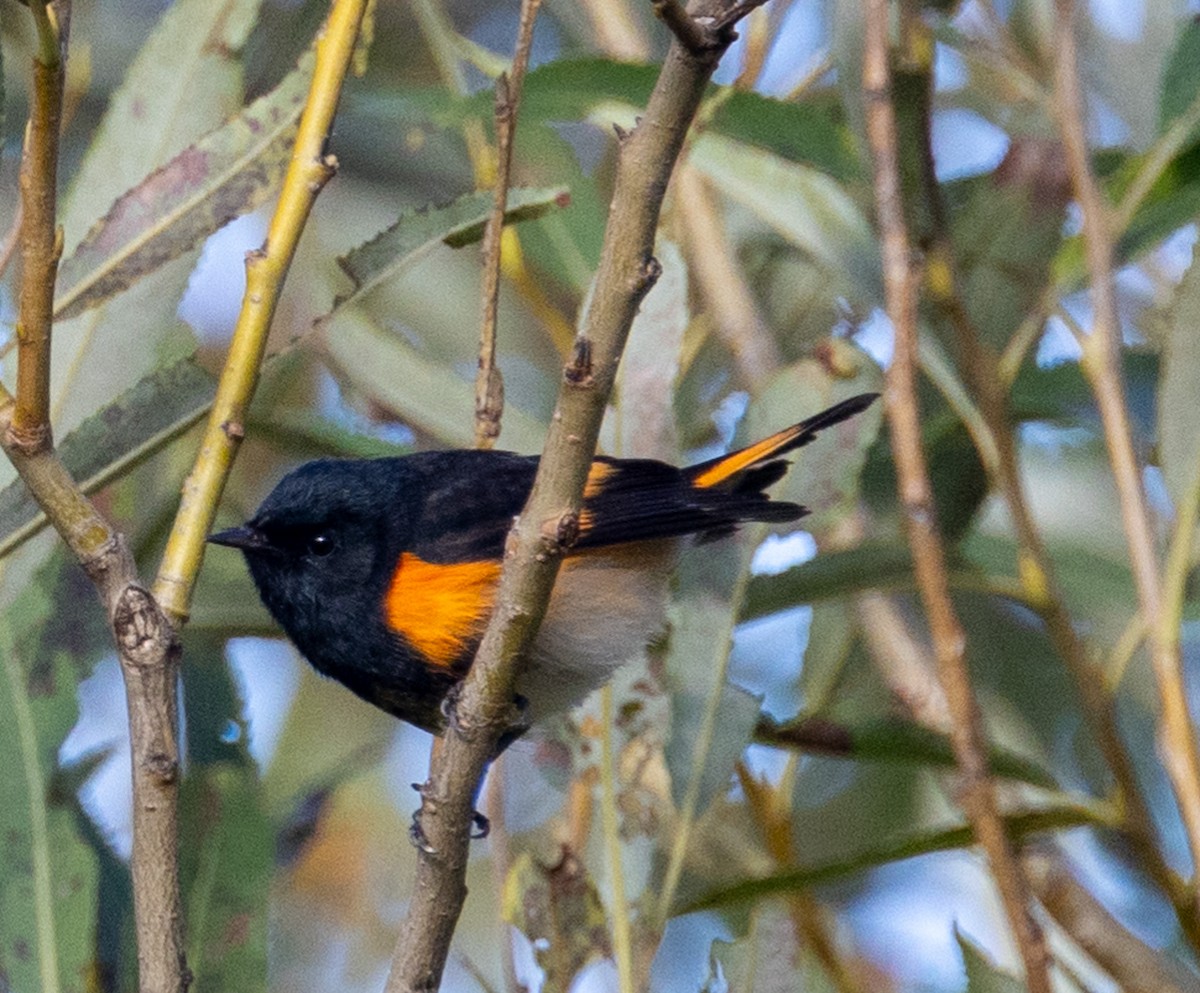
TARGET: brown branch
(1102,365)
(901,279)
(738,322)
(489,384)
(41,239)
(983,369)
(549,521)
(149,655)
(1135,966)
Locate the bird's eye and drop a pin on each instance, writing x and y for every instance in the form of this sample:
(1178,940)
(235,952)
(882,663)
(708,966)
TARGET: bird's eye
(321,544)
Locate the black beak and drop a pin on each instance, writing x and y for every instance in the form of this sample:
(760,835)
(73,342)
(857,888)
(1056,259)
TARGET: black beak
(244,537)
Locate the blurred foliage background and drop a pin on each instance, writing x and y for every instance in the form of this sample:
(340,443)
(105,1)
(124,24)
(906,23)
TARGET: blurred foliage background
(840,864)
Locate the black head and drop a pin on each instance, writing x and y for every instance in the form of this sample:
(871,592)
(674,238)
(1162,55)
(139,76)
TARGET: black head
(322,549)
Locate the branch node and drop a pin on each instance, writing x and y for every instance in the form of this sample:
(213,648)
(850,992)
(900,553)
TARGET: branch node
(163,767)
(28,440)
(578,371)
(142,631)
(234,430)
(697,36)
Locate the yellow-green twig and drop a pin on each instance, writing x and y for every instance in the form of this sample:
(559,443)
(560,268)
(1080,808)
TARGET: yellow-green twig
(308,171)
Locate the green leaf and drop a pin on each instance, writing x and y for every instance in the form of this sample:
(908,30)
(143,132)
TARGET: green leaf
(226,872)
(803,205)
(48,873)
(871,565)
(797,879)
(982,974)
(892,740)
(810,132)
(109,443)
(695,665)
(185,82)
(414,235)
(226,173)
(1178,409)
(1181,78)
(644,424)
(1007,227)
(424,393)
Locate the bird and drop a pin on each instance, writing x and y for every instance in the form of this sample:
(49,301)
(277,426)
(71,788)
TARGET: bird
(383,571)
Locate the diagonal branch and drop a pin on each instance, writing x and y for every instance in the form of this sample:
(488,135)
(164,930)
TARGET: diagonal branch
(1102,365)
(550,519)
(308,172)
(901,280)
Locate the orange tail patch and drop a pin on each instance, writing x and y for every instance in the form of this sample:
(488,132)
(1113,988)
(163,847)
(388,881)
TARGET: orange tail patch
(439,609)
(736,462)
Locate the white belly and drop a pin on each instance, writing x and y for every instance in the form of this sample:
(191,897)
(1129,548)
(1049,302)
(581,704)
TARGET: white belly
(606,607)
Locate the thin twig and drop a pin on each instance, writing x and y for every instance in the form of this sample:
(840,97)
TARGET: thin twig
(622,932)
(901,279)
(41,238)
(1102,366)
(550,519)
(996,442)
(309,170)
(489,384)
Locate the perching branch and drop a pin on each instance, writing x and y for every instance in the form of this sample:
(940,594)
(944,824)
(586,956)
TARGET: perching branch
(308,172)
(550,519)
(41,238)
(1102,365)
(489,384)
(901,280)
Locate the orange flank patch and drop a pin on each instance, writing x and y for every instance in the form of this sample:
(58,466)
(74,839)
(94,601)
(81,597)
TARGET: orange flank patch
(599,472)
(440,608)
(747,457)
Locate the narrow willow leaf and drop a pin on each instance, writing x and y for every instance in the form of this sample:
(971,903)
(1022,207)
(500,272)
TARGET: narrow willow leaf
(106,445)
(872,565)
(48,872)
(414,235)
(226,173)
(1178,411)
(803,205)
(982,974)
(892,740)
(422,392)
(792,880)
(185,81)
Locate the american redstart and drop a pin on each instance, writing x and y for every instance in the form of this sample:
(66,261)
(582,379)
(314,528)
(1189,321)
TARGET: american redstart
(383,571)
